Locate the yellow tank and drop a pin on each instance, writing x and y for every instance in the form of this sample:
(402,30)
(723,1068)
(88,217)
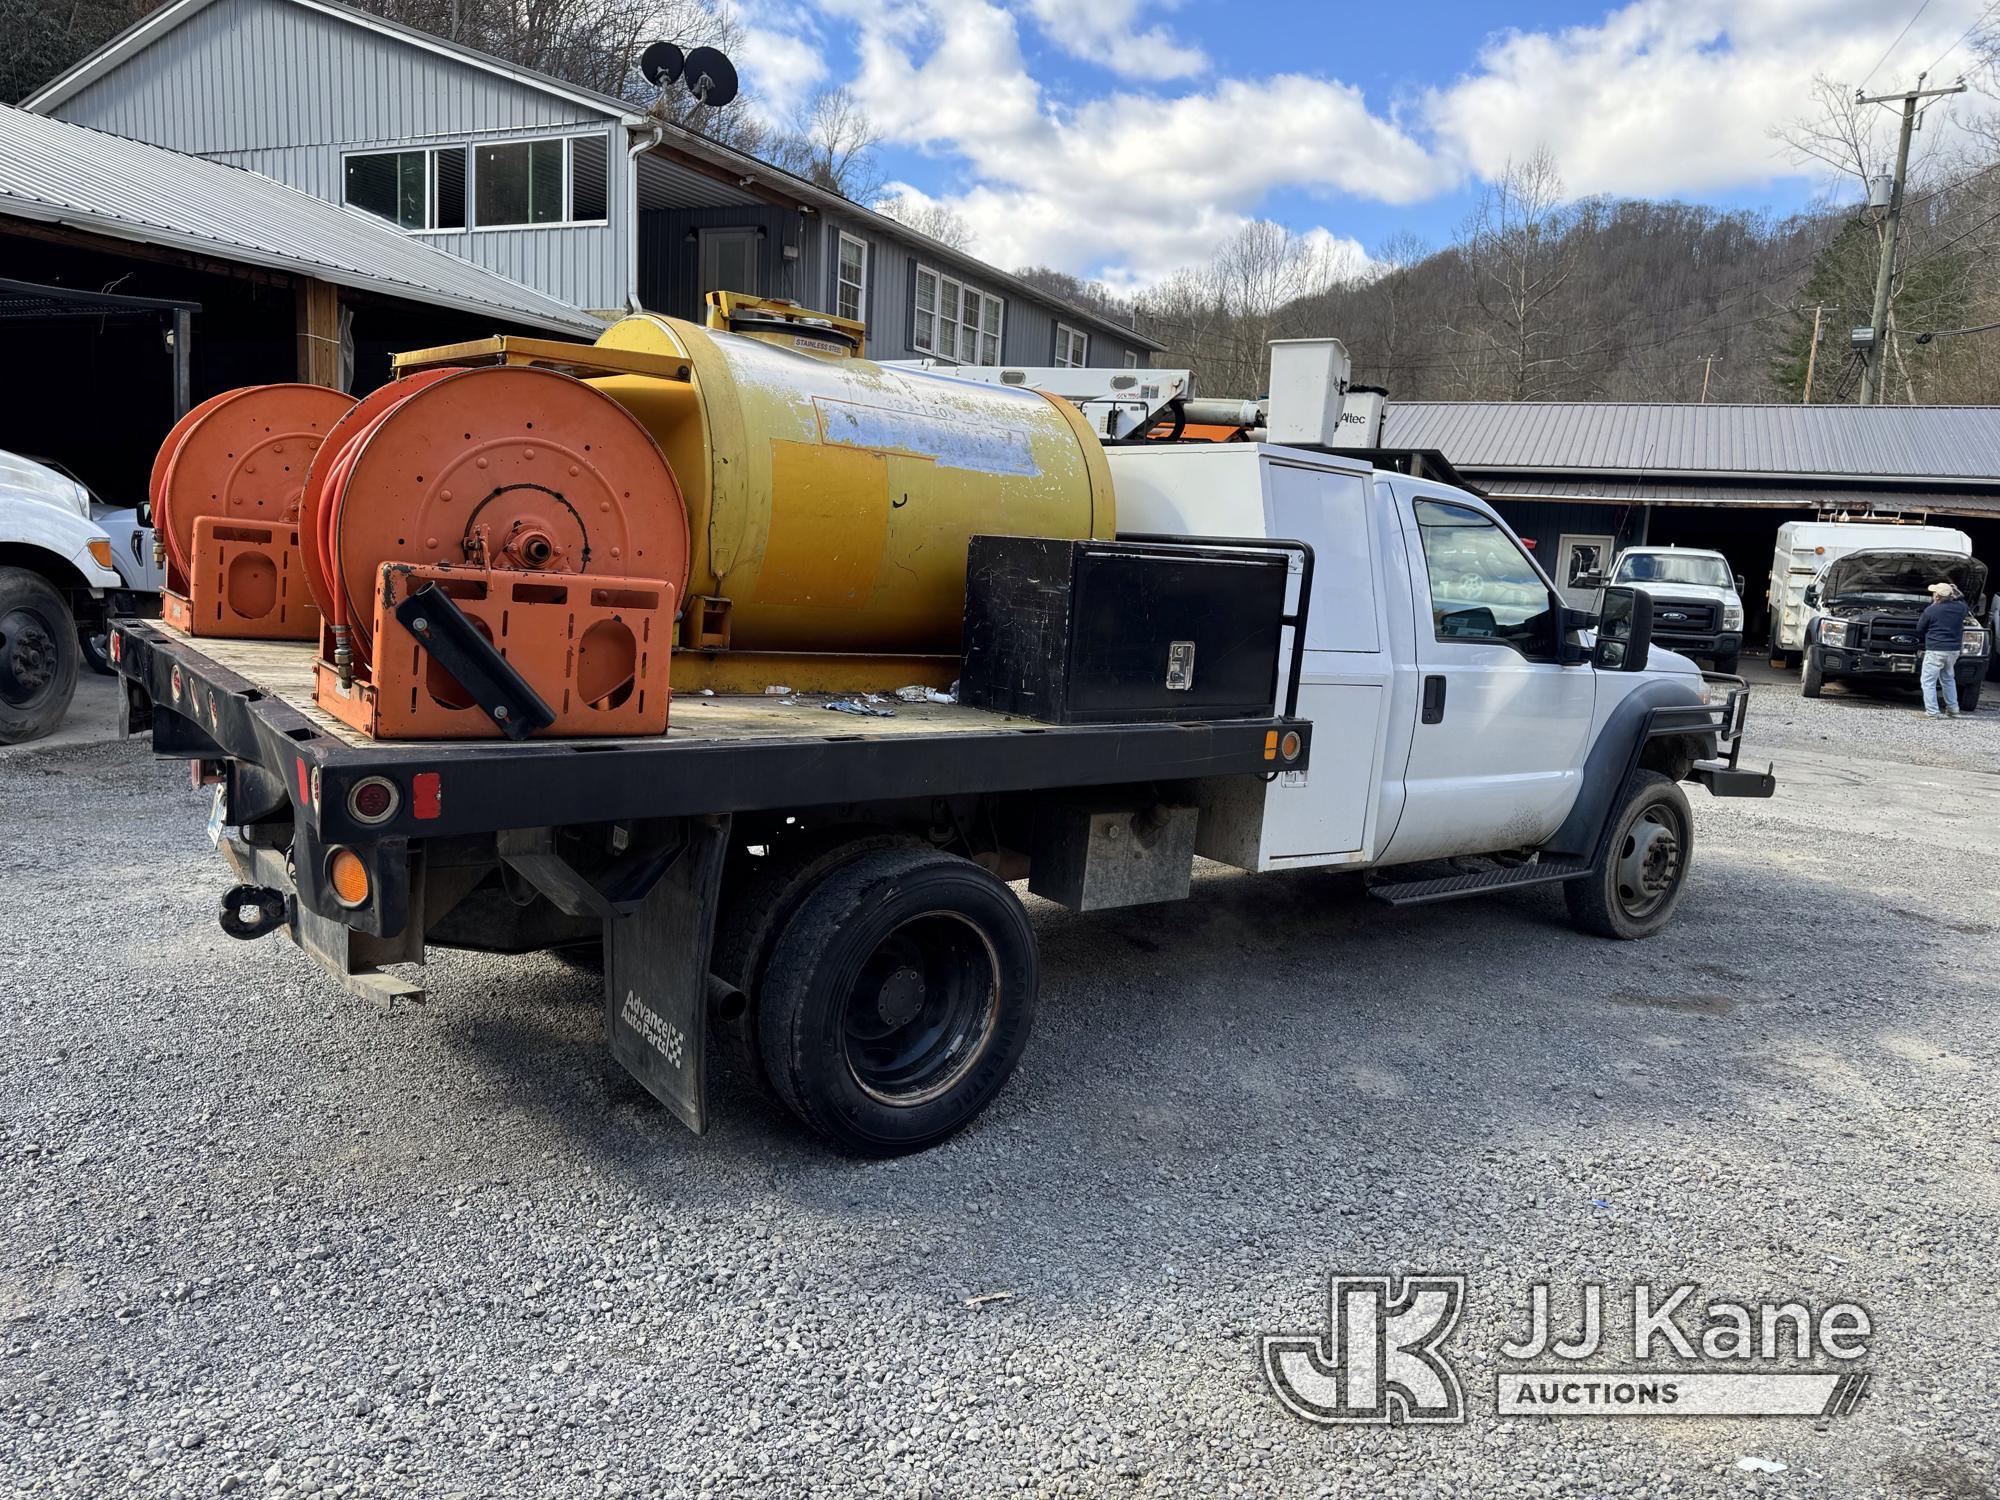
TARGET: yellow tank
(830,499)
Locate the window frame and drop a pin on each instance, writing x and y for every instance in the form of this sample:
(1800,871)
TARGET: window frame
(1552,608)
(1077,337)
(842,240)
(568,140)
(1132,359)
(965,290)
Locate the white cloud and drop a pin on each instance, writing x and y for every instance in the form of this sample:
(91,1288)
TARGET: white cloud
(782,59)
(1109,33)
(1129,187)
(1671,96)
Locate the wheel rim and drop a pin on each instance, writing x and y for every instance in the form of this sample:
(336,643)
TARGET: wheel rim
(922,1010)
(29,659)
(1650,854)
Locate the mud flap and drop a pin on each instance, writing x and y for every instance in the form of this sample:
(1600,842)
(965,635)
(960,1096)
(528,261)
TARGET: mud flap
(656,975)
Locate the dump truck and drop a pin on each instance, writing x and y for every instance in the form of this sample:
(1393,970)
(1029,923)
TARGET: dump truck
(931,636)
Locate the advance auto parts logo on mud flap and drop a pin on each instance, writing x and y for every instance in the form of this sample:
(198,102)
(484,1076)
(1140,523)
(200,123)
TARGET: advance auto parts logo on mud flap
(1383,1357)
(652,1028)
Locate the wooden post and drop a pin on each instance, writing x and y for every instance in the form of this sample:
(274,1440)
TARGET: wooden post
(318,307)
(180,337)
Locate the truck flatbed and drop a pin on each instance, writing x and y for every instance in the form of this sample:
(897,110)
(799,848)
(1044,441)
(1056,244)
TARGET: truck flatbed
(253,701)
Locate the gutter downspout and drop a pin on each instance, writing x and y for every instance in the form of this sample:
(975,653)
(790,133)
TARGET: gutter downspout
(638,148)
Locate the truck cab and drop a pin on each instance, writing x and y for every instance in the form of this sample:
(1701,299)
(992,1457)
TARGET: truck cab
(1460,711)
(1697,601)
(1861,612)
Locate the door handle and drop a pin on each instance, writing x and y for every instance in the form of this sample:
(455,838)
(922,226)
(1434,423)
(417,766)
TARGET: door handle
(1433,700)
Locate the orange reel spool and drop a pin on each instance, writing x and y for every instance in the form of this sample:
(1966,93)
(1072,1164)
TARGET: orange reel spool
(241,456)
(314,507)
(507,467)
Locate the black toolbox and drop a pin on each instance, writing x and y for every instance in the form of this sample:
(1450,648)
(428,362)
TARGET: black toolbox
(1082,632)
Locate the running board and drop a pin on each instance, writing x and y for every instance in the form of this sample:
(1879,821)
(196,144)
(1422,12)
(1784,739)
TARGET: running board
(1450,887)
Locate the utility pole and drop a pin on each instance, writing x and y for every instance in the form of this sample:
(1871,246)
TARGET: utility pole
(1812,354)
(1707,364)
(1871,357)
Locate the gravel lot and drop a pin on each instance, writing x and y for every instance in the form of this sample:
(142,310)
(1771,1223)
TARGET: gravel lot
(263,1240)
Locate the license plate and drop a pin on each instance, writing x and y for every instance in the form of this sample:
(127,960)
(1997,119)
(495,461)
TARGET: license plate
(215,817)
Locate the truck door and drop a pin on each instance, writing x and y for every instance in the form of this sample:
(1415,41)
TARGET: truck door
(1496,755)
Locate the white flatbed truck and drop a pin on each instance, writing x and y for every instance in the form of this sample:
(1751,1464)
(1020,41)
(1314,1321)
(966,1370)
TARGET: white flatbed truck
(829,895)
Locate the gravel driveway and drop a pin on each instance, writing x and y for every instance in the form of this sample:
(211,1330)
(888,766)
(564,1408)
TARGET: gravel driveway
(263,1240)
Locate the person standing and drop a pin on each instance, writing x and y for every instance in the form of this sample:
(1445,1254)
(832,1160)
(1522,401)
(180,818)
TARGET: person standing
(1941,636)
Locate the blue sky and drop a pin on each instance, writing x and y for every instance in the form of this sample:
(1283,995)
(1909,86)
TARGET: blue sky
(1126,138)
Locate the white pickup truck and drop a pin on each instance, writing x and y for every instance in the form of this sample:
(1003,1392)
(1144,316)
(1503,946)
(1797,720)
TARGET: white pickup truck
(58,571)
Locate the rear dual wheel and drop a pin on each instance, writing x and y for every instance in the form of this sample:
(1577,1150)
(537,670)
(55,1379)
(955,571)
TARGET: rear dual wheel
(897,999)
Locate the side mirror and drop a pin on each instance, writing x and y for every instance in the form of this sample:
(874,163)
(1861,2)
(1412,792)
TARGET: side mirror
(1624,631)
(1812,593)
(1738,580)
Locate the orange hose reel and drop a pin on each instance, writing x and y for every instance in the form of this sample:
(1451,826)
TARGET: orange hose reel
(539,508)
(225,491)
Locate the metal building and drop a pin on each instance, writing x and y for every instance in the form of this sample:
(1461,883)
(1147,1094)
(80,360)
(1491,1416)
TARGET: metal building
(575,193)
(1587,477)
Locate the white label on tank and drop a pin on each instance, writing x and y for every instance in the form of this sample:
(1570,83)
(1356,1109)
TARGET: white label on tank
(982,447)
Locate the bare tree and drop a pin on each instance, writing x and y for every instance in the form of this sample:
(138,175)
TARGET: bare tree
(928,217)
(43,39)
(1523,249)
(1261,285)
(832,145)
(1092,296)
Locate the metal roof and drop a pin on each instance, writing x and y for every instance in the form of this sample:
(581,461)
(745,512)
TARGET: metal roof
(1839,444)
(58,173)
(151,28)
(1876,498)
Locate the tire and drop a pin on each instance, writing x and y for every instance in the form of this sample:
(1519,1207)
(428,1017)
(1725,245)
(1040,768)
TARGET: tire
(755,908)
(1640,884)
(1811,679)
(1728,665)
(97,652)
(897,999)
(1968,696)
(39,656)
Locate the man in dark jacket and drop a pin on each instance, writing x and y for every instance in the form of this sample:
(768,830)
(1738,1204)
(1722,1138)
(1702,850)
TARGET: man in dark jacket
(1941,635)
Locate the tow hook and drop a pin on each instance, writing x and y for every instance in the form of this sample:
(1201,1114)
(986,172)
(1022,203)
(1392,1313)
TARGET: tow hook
(250,911)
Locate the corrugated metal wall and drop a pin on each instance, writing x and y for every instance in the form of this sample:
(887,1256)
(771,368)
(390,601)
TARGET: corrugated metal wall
(670,255)
(285,91)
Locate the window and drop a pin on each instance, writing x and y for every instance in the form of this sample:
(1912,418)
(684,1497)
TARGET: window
(850,297)
(1483,588)
(955,321)
(1658,567)
(1072,348)
(557,181)
(391,185)
(1131,359)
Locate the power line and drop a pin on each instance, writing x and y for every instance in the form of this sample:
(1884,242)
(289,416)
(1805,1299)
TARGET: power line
(1961,37)
(1895,44)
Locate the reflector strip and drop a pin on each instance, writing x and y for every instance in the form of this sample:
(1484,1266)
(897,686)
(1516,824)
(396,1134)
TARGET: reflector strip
(426,795)
(305,786)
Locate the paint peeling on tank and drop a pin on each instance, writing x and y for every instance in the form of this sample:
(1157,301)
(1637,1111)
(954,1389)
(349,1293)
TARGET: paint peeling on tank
(980,447)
